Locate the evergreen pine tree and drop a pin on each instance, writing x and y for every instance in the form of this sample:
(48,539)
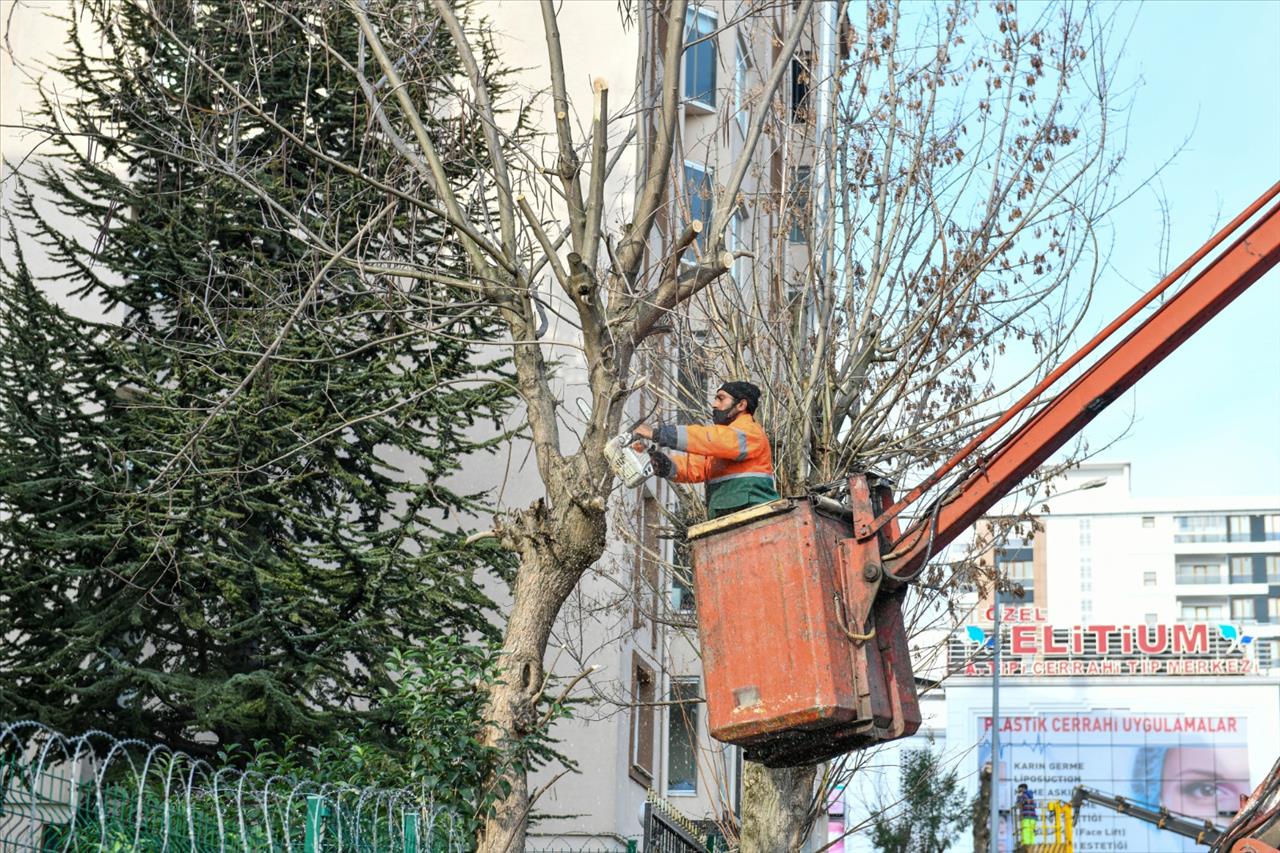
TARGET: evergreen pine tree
(224,514)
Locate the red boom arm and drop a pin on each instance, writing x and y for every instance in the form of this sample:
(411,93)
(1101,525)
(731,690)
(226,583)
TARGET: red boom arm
(991,477)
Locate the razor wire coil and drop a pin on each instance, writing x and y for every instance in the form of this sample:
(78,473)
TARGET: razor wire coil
(96,792)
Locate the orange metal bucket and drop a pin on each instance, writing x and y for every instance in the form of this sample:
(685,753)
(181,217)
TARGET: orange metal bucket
(804,650)
(774,657)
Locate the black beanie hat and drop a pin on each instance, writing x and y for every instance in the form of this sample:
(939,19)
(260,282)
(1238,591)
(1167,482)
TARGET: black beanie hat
(743,391)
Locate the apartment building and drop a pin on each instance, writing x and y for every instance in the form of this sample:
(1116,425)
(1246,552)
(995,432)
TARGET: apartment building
(1102,556)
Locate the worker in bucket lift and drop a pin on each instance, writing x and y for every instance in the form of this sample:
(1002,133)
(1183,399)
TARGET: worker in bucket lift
(731,456)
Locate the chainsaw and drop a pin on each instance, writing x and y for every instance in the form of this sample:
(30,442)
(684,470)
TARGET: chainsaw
(631,466)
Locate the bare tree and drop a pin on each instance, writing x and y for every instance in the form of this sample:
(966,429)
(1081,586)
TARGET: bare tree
(954,175)
(948,216)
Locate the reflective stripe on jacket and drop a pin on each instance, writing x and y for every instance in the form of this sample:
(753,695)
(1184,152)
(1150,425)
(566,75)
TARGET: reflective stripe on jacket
(734,461)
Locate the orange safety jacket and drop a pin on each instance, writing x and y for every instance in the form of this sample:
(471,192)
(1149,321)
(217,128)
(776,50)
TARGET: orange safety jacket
(734,461)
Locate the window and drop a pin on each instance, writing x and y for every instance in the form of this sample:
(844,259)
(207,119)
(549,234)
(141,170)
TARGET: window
(1011,596)
(1242,608)
(1151,618)
(1086,533)
(800,205)
(1200,528)
(644,592)
(1271,527)
(1148,521)
(682,737)
(1273,568)
(1199,573)
(736,241)
(741,75)
(700,58)
(1202,612)
(1238,528)
(1273,609)
(682,600)
(1268,652)
(1086,609)
(1148,578)
(697,188)
(642,698)
(801,84)
(1241,569)
(1018,569)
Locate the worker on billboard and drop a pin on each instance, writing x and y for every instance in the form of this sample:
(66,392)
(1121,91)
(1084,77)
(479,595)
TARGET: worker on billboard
(731,455)
(1027,814)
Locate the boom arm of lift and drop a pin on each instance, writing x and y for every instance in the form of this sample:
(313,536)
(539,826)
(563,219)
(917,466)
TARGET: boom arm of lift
(877,562)
(1202,831)
(983,479)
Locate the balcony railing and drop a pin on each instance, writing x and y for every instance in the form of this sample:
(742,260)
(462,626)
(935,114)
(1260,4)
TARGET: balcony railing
(1197,579)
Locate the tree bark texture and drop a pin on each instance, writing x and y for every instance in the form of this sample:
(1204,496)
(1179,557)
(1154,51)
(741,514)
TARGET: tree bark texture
(777,813)
(556,542)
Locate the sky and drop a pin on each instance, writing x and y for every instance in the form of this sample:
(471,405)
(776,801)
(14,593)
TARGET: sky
(1204,82)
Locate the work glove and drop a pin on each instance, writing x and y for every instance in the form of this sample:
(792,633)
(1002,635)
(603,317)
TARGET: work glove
(663,467)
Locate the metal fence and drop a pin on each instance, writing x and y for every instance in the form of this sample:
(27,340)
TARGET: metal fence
(666,830)
(579,843)
(94,792)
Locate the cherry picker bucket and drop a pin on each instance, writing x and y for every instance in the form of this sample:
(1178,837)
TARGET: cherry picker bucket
(803,656)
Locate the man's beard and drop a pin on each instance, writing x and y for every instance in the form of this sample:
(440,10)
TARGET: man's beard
(722,417)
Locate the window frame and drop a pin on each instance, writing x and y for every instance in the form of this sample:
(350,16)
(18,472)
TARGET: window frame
(1203,527)
(741,70)
(734,242)
(802,86)
(693,45)
(1201,612)
(679,712)
(645,580)
(706,206)
(643,721)
(800,202)
(1199,573)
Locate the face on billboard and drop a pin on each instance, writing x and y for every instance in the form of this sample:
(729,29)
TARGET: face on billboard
(1204,781)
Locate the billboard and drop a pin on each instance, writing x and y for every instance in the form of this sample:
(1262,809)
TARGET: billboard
(1193,763)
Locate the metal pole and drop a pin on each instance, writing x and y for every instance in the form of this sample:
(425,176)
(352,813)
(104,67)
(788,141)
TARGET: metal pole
(995,724)
(315,815)
(411,832)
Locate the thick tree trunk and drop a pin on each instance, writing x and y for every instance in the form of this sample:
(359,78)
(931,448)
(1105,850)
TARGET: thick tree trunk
(555,546)
(777,814)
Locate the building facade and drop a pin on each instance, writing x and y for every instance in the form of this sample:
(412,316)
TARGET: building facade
(1141,657)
